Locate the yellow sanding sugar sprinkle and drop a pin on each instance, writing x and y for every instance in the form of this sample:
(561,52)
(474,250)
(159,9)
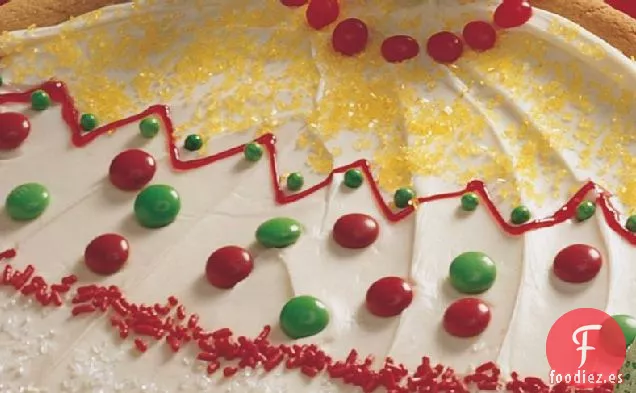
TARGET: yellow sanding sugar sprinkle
(522,116)
(572,35)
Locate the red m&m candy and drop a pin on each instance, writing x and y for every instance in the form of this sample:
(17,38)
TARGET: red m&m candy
(355,230)
(106,254)
(14,129)
(228,266)
(467,317)
(389,296)
(577,263)
(132,169)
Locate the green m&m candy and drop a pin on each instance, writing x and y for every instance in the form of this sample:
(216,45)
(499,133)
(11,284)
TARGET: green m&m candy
(278,232)
(40,100)
(295,181)
(631,223)
(520,215)
(627,323)
(27,201)
(353,178)
(193,142)
(470,201)
(88,122)
(403,197)
(303,316)
(585,210)
(149,127)
(472,272)
(157,206)
(253,151)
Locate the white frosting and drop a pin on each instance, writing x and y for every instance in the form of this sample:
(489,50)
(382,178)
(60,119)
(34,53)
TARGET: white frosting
(223,204)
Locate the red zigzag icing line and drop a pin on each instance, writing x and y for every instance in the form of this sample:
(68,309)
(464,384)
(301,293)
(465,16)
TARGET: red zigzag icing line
(60,94)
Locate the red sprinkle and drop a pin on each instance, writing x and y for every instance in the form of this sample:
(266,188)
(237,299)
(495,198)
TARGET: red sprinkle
(8,254)
(83,309)
(62,288)
(181,314)
(192,322)
(38,281)
(213,367)
(141,345)
(146,330)
(222,333)
(42,297)
(7,274)
(294,3)
(119,307)
(229,371)
(69,280)
(309,371)
(56,299)
(28,289)
(174,343)
(207,356)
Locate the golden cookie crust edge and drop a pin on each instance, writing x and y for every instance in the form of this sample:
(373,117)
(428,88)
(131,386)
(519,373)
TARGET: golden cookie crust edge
(599,18)
(21,14)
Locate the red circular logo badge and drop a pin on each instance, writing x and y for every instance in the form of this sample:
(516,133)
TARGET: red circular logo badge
(585,348)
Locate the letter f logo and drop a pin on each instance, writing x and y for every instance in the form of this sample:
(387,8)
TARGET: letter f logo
(584,348)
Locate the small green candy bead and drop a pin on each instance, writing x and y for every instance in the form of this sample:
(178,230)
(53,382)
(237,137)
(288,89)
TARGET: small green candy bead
(149,127)
(279,232)
(193,142)
(353,178)
(585,210)
(303,316)
(40,100)
(295,181)
(520,215)
(1,81)
(627,323)
(88,121)
(253,151)
(27,201)
(631,223)
(472,272)
(157,206)
(403,196)
(470,201)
